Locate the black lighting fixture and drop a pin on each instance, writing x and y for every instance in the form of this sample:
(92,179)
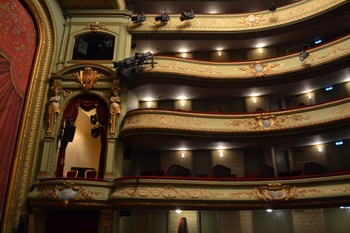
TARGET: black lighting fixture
(141,17)
(302,52)
(133,45)
(95,132)
(272,7)
(187,15)
(133,65)
(165,17)
(93,119)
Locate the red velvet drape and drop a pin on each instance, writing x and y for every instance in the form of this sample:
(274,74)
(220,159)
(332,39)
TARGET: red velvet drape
(11,105)
(71,112)
(18,46)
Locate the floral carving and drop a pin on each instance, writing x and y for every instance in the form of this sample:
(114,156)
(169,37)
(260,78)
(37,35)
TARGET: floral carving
(266,121)
(192,68)
(86,78)
(68,192)
(169,192)
(297,118)
(276,193)
(17,39)
(342,189)
(95,26)
(164,120)
(259,69)
(342,109)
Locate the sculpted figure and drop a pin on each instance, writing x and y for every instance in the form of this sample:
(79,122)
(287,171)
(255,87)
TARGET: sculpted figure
(114,109)
(54,108)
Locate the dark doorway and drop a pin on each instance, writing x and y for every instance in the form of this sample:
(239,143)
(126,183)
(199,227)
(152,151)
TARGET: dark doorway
(72,221)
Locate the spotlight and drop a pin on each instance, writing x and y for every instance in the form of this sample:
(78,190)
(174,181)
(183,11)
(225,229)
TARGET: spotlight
(187,15)
(93,119)
(95,132)
(133,65)
(303,55)
(163,17)
(139,18)
(272,7)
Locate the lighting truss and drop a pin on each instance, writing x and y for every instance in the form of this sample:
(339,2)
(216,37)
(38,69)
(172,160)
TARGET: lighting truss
(133,65)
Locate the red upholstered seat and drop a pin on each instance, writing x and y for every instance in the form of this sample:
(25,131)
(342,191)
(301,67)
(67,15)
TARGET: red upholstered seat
(90,174)
(72,173)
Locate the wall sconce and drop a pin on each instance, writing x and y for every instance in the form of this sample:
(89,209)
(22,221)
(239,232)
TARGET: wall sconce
(221,154)
(148,104)
(260,50)
(254,100)
(178,211)
(319,148)
(309,96)
(183,155)
(182,103)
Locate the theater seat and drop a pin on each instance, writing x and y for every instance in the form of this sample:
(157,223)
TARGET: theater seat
(72,173)
(90,174)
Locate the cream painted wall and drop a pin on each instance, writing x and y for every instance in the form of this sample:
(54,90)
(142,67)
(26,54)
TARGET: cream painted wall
(233,159)
(84,151)
(191,220)
(175,157)
(309,220)
(307,154)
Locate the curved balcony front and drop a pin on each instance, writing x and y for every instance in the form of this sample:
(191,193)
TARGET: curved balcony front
(322,60)
(333,116)
(193,192)
(239,23)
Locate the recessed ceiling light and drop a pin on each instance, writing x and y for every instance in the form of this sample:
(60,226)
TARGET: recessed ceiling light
(183,50)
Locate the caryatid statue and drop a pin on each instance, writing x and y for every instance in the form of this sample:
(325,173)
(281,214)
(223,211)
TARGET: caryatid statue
(114,109)
(54,108)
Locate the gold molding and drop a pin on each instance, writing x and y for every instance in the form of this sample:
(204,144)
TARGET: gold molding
(321,55)
(23,168)
(96,26)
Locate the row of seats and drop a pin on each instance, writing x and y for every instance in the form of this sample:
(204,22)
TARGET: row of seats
(220,171)
(89,174)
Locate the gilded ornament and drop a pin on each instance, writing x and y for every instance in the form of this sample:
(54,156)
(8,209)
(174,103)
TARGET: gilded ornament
(68,192)
(87,78)
(168,192)
(95,26)
(266,120)
(275,193)
(114,109)
(54,108)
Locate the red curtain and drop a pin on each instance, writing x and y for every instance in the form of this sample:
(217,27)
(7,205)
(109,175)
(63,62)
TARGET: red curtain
(11,105)
(87,103)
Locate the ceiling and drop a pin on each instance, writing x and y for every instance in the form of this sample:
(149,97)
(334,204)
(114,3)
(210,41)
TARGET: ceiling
(326,27)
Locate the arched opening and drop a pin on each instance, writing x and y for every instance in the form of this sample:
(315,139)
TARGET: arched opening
(94,46)
(79,149)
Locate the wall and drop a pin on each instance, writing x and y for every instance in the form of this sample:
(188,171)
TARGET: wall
(175,157)
(309,220)
(191,220)
(307,154)
(84,151)
(234,159)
